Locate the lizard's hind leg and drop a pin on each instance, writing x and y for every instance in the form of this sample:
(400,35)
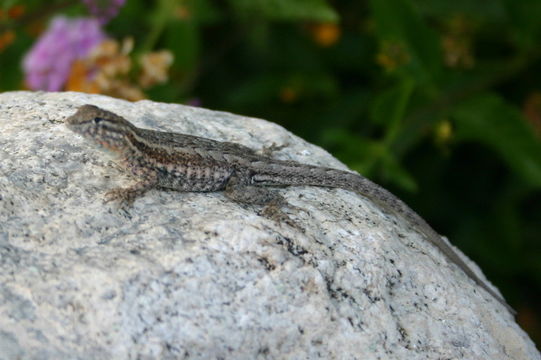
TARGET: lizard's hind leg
(272,201)
(237,190)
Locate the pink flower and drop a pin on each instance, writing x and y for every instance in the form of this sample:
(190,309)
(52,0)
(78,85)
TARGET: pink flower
(48,64)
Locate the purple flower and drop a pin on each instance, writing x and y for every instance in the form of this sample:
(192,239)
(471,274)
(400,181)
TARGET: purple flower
(104,10)
(48,64)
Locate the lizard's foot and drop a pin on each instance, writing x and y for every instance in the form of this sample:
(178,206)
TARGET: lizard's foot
(274,211)
(124,197)
(269,150)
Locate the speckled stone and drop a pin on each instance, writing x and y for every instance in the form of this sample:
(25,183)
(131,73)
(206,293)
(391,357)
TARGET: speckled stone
(196,276)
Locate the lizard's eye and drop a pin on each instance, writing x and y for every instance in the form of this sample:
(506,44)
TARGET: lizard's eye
(97,120)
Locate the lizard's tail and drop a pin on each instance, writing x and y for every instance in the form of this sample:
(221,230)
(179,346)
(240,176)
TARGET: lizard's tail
(328,177)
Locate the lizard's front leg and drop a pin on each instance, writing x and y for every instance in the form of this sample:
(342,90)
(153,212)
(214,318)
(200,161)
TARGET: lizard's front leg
(147,179)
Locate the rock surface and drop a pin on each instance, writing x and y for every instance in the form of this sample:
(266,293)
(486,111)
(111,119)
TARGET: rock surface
(196,276)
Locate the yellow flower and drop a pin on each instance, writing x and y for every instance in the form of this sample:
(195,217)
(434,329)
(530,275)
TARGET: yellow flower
(325,34)
(155,66)
(6,38)
(392,55)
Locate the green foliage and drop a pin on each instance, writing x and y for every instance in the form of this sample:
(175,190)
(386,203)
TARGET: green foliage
(438,100)
(6,4)
(397,22)
(314,10)
(389,110)
(489,120)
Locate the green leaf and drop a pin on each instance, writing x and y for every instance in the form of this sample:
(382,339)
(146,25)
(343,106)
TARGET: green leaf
(397,23)
(390,106)
(488,119)
(289,10)
(6,4)
(394,172)
(187,34)
(354,149)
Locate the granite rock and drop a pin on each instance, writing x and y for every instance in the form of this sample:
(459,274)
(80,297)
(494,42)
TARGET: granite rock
(196,276)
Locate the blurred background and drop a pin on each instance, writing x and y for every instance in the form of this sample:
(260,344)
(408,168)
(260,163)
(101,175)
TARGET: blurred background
(439,101)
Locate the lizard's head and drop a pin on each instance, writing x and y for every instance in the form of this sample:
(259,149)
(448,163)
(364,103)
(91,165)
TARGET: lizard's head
(101,126)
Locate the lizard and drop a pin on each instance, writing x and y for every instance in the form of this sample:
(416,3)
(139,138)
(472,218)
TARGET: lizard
(194,164)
